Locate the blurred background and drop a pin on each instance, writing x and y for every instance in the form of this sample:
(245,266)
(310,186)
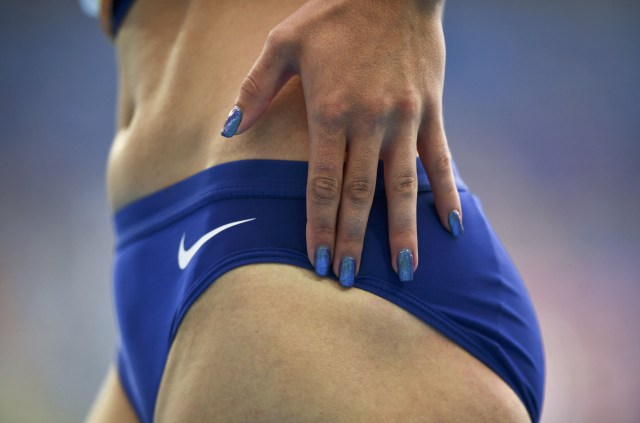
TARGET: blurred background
(543,118)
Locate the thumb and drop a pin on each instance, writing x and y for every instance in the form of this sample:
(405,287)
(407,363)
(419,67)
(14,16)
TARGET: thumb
(267,77)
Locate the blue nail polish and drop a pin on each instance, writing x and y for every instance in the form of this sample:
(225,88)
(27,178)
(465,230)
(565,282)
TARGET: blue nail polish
(232,123)
(347,271)
(455,223)
(323,260)
(405,265)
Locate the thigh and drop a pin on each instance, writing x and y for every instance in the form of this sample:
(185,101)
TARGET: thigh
(111,404)
(270,342)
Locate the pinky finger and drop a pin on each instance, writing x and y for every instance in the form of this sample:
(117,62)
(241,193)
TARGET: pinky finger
(436,159)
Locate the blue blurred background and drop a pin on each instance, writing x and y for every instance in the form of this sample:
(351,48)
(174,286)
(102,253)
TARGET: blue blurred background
(543,118)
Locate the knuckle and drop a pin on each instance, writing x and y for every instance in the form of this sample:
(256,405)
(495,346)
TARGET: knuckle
(408,106)
(280,39)
(324,189)
(274,35)
(251,87)
(353,232)
(359,190)
(405,184)
(277,36)
(331,114)
(323,227)
(441,163)
(376,111)
(406,232)
(404,225)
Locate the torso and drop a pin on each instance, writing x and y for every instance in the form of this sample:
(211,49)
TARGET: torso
(181,64)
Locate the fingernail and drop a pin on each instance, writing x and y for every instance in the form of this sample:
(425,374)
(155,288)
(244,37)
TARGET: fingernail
(232,123)
(347,271)
(405,265)
(455,223)
(323,260)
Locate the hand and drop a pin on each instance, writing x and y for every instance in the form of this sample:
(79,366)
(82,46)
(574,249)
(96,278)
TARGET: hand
(372,73)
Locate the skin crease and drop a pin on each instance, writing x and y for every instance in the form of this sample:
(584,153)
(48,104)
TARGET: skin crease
(181,65)
(383,102)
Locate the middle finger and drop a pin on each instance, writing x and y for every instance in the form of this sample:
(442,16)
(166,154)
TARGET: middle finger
(355,204)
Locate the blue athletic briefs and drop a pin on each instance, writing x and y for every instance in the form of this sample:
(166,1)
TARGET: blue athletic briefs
(119,10)
(173,244)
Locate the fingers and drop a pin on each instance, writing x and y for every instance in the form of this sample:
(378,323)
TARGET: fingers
(436,159)
(324,186)
(268,75)
(355,203)
(401,187)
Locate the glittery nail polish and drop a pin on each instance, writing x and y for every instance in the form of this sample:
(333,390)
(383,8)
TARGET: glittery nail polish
(347,271)
(232,123)
(455,223)
(322,260)
(405,265)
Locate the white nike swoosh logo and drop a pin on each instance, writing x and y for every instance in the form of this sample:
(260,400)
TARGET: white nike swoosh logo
(185,256)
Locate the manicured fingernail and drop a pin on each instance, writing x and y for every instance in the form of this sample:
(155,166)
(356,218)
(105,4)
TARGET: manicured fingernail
(405,265)
(232,123)
(347,271)
(455,223)
(323,260)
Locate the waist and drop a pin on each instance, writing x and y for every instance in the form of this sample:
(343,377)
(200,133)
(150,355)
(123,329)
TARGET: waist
(249,178)
(180,68)
(160,150)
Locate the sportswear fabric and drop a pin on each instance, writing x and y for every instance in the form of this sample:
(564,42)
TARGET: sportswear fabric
(173,244)
(112,14)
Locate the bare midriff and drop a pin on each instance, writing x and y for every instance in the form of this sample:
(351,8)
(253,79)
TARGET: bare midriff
(181,64)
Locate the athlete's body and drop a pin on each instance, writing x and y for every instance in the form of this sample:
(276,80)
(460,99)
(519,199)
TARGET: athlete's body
(348,355)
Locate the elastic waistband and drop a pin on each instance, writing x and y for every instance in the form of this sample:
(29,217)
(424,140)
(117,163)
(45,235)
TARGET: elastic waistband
(242,178)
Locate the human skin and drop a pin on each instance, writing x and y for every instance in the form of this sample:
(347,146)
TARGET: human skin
(372,74)
(383,102)
(181,64)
